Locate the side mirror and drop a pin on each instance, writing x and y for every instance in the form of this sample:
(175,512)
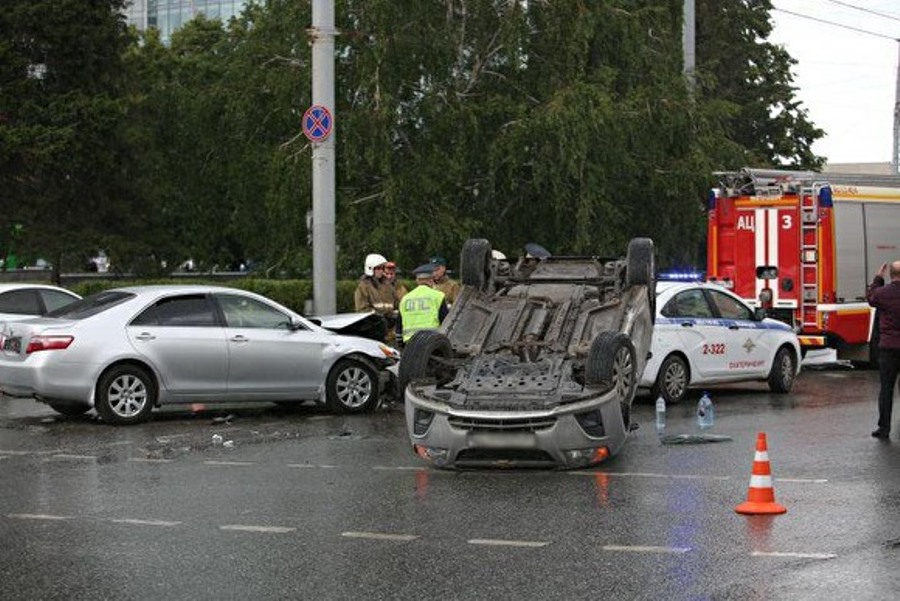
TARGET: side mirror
(759,314)
(296,324)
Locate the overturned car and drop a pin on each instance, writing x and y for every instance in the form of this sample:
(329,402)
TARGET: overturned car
(536,364)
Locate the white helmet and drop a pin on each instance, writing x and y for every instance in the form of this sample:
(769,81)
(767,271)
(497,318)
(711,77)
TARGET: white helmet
(373,261)
(497,255)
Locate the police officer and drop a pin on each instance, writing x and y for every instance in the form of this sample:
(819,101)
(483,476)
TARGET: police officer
(375,293)
(424,308)
(442,281)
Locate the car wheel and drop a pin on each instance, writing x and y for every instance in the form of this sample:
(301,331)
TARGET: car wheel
(672,380)
(418,359)
(640,270)
(71,409)
(351,387)
(611,364)
(126,394)
(781,378)
(475,263)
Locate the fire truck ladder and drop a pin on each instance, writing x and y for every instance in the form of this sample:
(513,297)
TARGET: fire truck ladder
(809,255)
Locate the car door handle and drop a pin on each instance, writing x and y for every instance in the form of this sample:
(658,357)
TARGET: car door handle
(734,327)
(145,336)
(687,324)
(239,338)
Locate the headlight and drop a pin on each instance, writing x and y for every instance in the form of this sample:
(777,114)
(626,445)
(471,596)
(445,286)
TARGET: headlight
(389,352)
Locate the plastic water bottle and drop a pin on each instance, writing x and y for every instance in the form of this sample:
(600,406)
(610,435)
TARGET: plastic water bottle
(660,414)
(706,414)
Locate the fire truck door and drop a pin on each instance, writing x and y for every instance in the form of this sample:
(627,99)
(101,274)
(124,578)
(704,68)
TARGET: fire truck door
(769,237)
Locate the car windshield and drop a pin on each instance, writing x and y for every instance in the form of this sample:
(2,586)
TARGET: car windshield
(92,305)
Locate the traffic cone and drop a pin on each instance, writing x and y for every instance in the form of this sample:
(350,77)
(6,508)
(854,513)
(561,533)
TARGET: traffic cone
(761,496)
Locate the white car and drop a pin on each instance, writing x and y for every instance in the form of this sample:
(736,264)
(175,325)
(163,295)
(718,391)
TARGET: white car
(24,300)
(705,335)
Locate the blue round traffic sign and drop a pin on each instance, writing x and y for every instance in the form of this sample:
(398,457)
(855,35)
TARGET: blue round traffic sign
(317,123)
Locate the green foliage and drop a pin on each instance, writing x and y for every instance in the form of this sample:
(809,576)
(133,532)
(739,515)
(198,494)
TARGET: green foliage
(567,123)
(293,294)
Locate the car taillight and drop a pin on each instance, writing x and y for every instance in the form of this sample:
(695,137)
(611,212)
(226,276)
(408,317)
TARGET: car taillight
(48,343)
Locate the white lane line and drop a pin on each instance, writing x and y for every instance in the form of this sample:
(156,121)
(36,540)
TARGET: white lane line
(232,463)
(37,516)
(650,475)
(145,522)
(491,542)
(5,452)
(645,549)
(690,477)
(67,457)
(398,468)
(380,536)
(794,555)
(247,528)
(149,460)
(304,466)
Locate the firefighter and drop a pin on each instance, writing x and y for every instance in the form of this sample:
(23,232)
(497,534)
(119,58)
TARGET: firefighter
(390,275)
(442,281)
(375,293)
(886,299)
(424,308)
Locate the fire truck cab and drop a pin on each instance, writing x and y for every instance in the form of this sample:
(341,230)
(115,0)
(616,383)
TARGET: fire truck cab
(803,246)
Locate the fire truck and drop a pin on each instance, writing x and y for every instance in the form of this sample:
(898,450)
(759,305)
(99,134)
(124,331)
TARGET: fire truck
(803,246)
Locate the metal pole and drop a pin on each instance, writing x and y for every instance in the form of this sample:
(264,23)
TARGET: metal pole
(688,42)
(895,152)
(324,245)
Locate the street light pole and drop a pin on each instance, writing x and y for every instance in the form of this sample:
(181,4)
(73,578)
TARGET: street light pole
(323,178)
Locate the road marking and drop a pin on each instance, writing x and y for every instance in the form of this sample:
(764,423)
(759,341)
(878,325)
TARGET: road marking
(311,466)
(507,543)
(237,463)
(5,452)
(149,460)
(120,443)
(269,529)
(65,457)
(37,516)
(794,555)
(398,468)
(650,475)
(645,549)
(380,536)
(145,522)
(690,477)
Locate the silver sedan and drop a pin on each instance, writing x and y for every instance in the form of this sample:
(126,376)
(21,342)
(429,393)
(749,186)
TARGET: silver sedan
(20,300)
(127,350)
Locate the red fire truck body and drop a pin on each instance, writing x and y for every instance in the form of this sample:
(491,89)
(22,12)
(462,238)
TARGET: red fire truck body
(803,246)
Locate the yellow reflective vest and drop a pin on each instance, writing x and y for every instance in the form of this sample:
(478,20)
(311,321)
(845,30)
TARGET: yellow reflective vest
(420,310)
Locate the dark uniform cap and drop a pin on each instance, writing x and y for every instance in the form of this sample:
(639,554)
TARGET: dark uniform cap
(439,261)
(424,271)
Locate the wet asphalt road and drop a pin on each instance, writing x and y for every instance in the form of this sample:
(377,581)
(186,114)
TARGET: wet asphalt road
(299,504)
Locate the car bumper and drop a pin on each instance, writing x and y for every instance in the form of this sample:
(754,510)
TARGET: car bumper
(453,438)
(34,379)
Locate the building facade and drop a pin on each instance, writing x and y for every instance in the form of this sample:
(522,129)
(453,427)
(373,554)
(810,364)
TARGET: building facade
(169,15)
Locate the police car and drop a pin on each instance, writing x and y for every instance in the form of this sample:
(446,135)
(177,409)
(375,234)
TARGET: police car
(704,335)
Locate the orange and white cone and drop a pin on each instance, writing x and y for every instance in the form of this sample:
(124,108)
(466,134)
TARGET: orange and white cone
(761,496)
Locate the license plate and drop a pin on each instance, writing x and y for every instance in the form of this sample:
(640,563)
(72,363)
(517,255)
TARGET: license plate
(13,344)
(506,440)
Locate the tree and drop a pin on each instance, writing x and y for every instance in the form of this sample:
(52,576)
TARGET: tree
(746,91)
(61,156)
